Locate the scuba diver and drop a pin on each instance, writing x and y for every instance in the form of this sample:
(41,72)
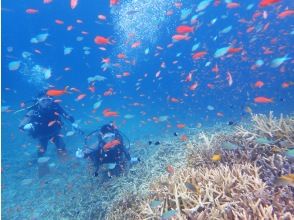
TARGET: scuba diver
(110,152)
(43,122)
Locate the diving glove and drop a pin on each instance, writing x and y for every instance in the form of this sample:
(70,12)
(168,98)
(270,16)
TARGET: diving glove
(28,127)
(80,153)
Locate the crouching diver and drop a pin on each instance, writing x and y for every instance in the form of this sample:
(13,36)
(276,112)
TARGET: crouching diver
(110,152)
(43,122)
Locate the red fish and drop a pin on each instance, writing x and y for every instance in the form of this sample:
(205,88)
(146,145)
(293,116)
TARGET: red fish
(189,77)
(286,13)
(111,144)
(193,86)
(229,78)
(233,5)
(179,37)
(183,29)
(51,123)
(108,113)
(73,4)
(174,100)
(113,2)
(102,40)
(170,169)
(57,21)
(80,97)
(265,3)
(261,99)
(136,44)
(31,11)
(57,92)
(259,84)
(198,55)
(181,125)
(234,50)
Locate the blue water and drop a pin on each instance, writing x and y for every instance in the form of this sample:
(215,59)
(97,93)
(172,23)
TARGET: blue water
(143,94)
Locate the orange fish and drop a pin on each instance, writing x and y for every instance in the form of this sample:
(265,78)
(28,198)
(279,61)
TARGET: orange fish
(174,100)
(51,123)
(189,77)
(102,17)
(136,44)
(234,50)
(233,5)
(181,125)
(121,56)
(198,55)
(56,92)
(108,113)
(193,86)
(31,11)
(102,40)
(73,4)
(170,169)
(259,84)
(183,29)
(265,3)
(184,138)
(286,13)
(80,97)
(47,1)
(261,99)
(111,144)
(215,69)
(113,2)
(92,89)
(179,37)
(57,21)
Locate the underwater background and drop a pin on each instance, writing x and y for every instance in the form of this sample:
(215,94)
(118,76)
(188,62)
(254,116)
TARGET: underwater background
(163,66)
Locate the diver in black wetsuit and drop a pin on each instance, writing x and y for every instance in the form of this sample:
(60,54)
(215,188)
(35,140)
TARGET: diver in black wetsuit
(43,122)
(110,150)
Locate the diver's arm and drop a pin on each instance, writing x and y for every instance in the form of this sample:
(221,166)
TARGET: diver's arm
(61,111)
(26,120)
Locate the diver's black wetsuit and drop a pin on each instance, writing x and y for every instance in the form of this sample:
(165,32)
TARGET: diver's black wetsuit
(46,119)
(117,154)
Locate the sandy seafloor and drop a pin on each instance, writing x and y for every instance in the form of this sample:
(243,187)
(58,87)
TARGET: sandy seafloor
(70,191)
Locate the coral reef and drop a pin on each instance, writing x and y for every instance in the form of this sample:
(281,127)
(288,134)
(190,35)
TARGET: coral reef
(227,176)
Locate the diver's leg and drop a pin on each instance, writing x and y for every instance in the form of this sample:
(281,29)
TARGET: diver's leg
(42,146)
(60,145)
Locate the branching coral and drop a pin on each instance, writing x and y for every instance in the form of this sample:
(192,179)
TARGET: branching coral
(241,185)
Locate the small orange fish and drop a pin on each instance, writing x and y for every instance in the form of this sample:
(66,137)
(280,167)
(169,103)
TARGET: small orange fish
(174,100)
(184,138)
(265,3)
(73,4)
(234,50)
(31,11)
(285,14)
(108,113)
(136,44)
(121,56)
(193,86)
(170,169)
(80,97)
(233,5)
(181,125)
(102,17)
(102,40)
(198,55)
(179,37)
(183,29)
(259,84)
(261,99)
(113,2)
(111,144)
(56,92)
(51,123)
(57,21)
